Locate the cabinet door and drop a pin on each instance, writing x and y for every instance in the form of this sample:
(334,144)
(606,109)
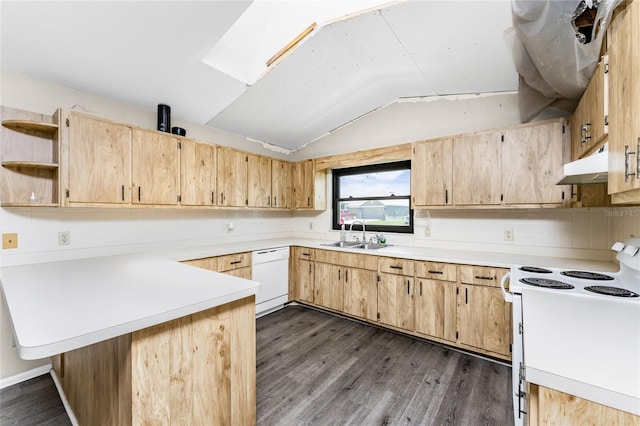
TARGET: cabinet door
(531,158)
(436,308)
(231,177)
(597,103)
(432,173)
(258,181)
(484,318)
(99,161)
(155,168)
(197,173)
(477,169)
(303,185)
(395,301)
(329,286)
(624,107)
(361,293)
(281,184)
(304,284)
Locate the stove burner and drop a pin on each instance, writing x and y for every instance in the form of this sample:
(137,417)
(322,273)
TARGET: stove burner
(543,282)
(611,291)
(587,275)
(535,269)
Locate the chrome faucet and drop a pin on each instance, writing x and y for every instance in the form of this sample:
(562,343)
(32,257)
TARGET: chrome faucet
(364,235)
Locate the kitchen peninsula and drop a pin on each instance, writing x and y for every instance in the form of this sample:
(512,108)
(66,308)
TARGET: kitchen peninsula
(139,339)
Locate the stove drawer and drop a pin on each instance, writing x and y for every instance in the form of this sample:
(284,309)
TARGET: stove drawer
(481,275)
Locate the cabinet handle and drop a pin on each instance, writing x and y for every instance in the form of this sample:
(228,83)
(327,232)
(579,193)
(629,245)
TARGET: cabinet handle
(222,198)
(435,272)
(235,262)
(346,276)
(268,200)
(420,288)
(480,277)
(305,254)
(466,296)
(275,201)
(339,274)
(395,267)
(122,192)
(309,268)
(213,198)
(308,201)
(446,196)
(584,133)
(139,193)
(408,287)
(627,153)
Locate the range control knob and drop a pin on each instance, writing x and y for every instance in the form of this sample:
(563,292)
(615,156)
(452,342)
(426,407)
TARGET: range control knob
(617,247)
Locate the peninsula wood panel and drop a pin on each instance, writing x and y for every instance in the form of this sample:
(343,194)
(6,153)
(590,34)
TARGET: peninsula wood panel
(196,370)
(477,169)
(531,158)
(231,177)
(281,184)
(435,304)
(624,106)
(258,181)
(552,407)
(155,168)
(329,286)
(484,319)
(240,273)
(210,263)
(361,293)
(432,173)
(99,165)
(197,173)
(395,301)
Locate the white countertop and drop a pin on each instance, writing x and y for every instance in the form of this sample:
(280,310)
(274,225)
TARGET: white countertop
(61,306)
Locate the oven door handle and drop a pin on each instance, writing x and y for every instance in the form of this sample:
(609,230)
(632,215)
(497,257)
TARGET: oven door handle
(508,297)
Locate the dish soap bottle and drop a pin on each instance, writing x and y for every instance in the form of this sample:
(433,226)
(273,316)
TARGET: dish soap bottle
(343,232)
(382,240)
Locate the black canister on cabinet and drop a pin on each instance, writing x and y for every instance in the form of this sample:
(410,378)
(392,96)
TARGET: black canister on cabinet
(164,118)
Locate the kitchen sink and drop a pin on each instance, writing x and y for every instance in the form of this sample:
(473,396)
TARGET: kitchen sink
(344,244)
(369,246)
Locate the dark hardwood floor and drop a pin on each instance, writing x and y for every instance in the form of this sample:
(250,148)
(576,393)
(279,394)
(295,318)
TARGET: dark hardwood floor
(315,368)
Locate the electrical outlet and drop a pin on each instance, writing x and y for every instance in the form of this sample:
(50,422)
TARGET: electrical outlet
(508,234)
(64,238)
(310,226)
(427,231)
(9,241)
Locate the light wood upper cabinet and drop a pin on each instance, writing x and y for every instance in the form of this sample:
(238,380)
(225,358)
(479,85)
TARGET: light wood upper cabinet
(155,168)
(258,181)
(281,184)
(477,167)
(624,108)
(329,286)
(395,300)
(309,187)
(99,165)
(361,293)
(484,318)
(432,173)
(531,158)
(231,177)
(197,173)
(589,124)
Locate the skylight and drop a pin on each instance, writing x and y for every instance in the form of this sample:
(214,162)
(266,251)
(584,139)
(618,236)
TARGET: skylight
(266,27)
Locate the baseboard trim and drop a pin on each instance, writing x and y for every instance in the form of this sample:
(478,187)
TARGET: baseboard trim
(24,376)
(63,397)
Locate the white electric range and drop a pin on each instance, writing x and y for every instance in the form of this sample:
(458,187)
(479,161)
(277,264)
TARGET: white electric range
(578,331)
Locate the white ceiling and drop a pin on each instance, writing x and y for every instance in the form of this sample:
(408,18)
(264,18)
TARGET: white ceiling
(146,53)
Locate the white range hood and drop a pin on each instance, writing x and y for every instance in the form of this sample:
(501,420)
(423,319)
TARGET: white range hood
(592,169)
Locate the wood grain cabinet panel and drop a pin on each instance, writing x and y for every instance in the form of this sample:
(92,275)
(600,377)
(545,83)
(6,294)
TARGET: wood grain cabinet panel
(197,173)
(304,281)
(432,173)
(99,168)
(395,301)
(281,184)
(361,293)
(624,108)
(477,169)
(396,266)
(309,187)
(329,286)
(258,181)
(231,177)
(436,270)
(155,168)
(481,275)
(435,304)
(589,124)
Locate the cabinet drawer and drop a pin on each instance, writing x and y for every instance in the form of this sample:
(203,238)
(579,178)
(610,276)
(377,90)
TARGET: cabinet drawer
(396,266)
(305,253)
(210,263)
(234,261)
(436,271)
(481,275)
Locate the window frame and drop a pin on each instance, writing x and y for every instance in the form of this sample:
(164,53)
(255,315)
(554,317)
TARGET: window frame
(371,168)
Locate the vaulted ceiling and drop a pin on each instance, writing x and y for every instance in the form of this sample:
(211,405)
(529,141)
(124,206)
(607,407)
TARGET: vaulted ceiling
(146,53)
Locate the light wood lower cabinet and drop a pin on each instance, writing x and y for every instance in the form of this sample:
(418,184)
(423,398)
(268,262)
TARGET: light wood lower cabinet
(238,265)
(436,308)
(395,300)
(552,407)
(199,369)
(329,286)
(361,293)
(305,281)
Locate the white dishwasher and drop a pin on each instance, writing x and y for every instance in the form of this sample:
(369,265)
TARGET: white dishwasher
(270,267)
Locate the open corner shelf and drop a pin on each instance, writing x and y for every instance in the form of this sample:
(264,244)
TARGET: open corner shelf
(29,125)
